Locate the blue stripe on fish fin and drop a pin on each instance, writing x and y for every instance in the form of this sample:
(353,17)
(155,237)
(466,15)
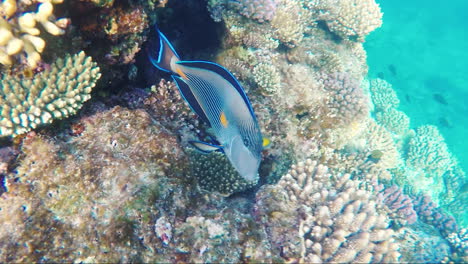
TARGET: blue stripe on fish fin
(223,72)
(165,54)
(188,96)
(205,147)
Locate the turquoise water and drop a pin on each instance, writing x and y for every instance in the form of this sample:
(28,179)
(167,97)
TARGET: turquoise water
(422,50)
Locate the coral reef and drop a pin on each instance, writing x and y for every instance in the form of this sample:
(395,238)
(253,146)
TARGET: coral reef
(54,94)
(19,32)
(118,182)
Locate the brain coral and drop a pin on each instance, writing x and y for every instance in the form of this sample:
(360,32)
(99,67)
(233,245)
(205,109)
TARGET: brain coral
(53,94)
(314,216)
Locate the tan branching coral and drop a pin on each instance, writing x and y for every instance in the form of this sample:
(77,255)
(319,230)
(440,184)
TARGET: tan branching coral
(19,32)
(337,220)
(54,94)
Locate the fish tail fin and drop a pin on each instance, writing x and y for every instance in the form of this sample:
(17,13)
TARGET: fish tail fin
(165,55)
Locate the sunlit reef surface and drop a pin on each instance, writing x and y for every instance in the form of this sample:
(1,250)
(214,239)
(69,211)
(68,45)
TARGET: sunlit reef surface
(348,177)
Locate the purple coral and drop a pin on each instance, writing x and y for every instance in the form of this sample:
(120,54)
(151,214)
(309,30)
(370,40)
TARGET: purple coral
(347,100)
(430,213)
(260,10)
(398,202)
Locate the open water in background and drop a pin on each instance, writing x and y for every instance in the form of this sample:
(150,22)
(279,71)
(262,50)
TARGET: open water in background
(422,49)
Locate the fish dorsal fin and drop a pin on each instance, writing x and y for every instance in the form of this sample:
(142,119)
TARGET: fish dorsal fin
(166,54)
(205,147)
(224,73)
(190,98)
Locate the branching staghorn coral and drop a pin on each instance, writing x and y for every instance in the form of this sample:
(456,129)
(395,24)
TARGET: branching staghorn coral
(382,94)
(428,151)
(53,94)
(394,121)
(336,218)
(19,32)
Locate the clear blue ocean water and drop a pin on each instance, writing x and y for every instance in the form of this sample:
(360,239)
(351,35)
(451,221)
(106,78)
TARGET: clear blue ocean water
(422,50)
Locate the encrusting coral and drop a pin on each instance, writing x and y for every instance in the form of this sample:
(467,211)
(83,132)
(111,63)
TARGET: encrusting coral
(19,32)
(53,94)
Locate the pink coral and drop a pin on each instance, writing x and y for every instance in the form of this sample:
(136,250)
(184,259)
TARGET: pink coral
(398,203)
(260,10)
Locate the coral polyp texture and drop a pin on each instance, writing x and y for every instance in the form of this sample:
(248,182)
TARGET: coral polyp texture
(260,10)
(19,32)
(350,19)
(53,94)
(214,173)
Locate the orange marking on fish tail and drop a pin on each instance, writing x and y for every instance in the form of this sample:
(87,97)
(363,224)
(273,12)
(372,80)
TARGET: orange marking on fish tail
(181,73)
(223,119)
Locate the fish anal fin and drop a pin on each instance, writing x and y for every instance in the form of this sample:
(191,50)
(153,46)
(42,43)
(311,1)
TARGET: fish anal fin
(205,147)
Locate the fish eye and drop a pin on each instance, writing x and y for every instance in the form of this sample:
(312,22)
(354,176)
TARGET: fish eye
(246,142)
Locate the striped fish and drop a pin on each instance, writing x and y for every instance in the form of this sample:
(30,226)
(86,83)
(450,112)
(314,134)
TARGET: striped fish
(215,95)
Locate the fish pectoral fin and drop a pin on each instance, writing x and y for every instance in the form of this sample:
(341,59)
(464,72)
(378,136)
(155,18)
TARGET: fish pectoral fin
(205,147)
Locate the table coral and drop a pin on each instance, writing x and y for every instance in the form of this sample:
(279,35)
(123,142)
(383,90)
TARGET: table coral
(19,32)
(53,94)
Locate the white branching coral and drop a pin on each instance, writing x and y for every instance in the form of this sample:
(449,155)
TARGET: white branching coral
(53,94)
(19,32)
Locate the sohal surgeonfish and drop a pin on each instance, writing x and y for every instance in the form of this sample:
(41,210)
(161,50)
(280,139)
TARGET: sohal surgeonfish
(216,96)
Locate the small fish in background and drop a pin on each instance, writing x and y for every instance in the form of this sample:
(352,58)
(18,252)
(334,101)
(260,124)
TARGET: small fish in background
(440,98)
(443,122)
(216,96)
(408,98)
(392,70)
(381,75)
